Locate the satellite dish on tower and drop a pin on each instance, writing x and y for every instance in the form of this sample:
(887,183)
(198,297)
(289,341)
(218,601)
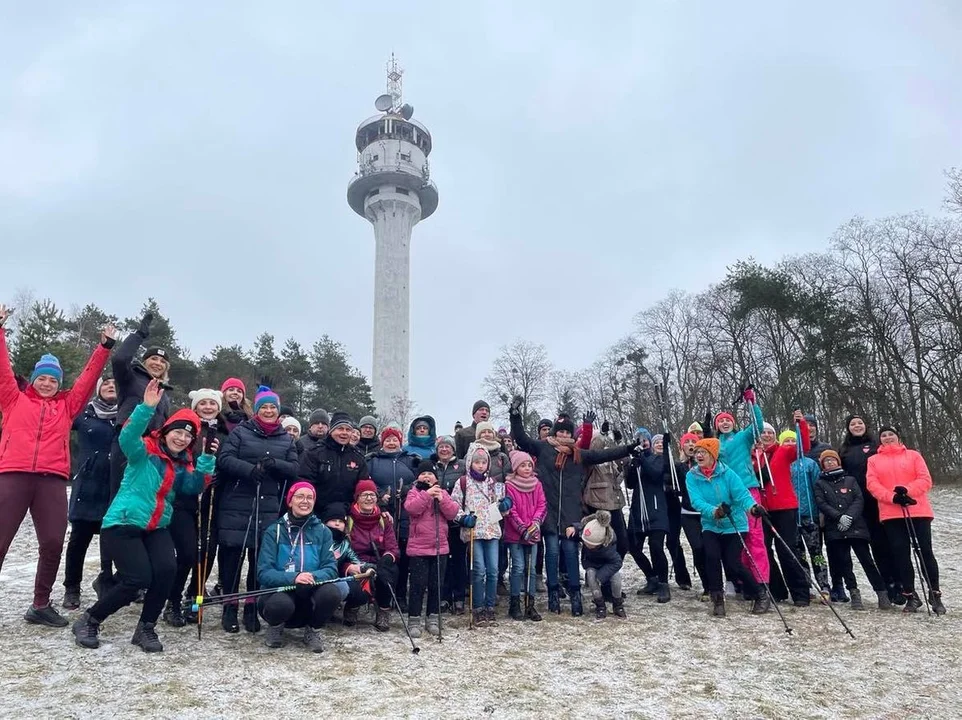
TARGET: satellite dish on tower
(407,111)
(384,102)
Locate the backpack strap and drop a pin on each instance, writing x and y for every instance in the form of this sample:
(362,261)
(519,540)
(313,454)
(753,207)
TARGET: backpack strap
(464,490)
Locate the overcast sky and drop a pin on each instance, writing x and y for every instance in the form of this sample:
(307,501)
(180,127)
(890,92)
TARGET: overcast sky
(583,158)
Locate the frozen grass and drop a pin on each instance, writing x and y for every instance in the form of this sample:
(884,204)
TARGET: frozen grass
(663,661)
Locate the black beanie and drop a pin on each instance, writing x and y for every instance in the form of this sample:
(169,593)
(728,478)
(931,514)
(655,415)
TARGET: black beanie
(478,405)
(426,466)
(155,352)
(544,422)
(563,423)
(319,417)
(889,428)
(342,418)
(334,511)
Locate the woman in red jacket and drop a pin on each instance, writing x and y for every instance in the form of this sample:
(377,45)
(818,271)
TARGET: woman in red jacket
(35,458)
(899,479)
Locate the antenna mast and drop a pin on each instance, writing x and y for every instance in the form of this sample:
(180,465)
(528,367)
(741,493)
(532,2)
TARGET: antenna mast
(394,74)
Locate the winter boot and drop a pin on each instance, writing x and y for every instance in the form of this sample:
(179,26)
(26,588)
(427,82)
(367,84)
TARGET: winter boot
(884,601)
(71,597)
(664,593)
(935,600)
(45,616)
(228,618)
(718,604)
(274,637)
(618,608)
(530,612)
(895,594)
(350,616)
(490,616)
(433,625)
(601,610)
(761,605)
(174,616)
(414,626)
(382,620)
(837,594)
(912,602)
(577,610)
(514,609)
(554,601)
(650,588)
(145,637)
(85,632)
(856,599)
(480,617)
(312,638)
(251,623)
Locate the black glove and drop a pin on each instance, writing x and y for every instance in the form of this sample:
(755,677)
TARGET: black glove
(666,438)
(368,566)
(387,569)
(758,511)
(902,498)
(259,475)
(589,417)
(726,509)
(605,427)
(634,445)
(108,343)
(617,436)
(267,381)
(514,409)
(144,328)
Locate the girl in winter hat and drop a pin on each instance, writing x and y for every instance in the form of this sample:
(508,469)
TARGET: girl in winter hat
(522,532)
(602,563)
(482,503)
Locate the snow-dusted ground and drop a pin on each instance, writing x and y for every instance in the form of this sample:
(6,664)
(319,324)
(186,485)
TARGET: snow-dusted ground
(663,661)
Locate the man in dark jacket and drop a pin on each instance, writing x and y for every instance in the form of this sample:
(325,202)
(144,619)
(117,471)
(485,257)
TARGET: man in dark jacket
(334,466)
(317,430)
(369,442)
(465,436)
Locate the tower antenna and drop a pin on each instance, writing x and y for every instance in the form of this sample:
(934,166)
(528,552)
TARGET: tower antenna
(394,74)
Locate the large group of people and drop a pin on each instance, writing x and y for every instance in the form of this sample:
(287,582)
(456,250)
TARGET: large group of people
(344,514)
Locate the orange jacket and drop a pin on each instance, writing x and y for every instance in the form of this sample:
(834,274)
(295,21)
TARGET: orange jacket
(895,465)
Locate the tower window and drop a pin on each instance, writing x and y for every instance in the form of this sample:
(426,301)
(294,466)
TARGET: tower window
(402,191)
(406,156)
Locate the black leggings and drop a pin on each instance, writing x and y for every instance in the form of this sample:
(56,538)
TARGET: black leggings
(183,529)
(726,549)
(456,571)
(840,560)
(145,561)
(673,542)
(229,561)
(81,534)
(903,555)
(424,579)
(658,567)
(788,570)
(304,606)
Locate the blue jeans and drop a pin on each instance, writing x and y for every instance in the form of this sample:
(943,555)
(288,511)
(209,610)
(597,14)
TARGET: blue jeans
(552,545)
(485,573)
(519,554)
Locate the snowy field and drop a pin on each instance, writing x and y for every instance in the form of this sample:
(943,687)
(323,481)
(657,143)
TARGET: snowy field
(663,661)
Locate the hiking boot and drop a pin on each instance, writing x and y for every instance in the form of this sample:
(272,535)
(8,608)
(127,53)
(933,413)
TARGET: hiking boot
(459,607)
(274,636)
(45,616)
(490,616)
(912,602)
(650,588)
(884,601)
(935,600)
(382,620)
(762,605)
(251,623)
(174,616)
(554,601)
(576,607)
(414,626)
(837,595)
(313,640)
(514,608)
(664,594)
(433,625)
(856,599)
(539,585)
(228,618)
(718,604)
(350,616)
(85,632)
(530,612)
(894,591)
(145,637)
(71,597)
(802,602)
(480,617)
(601,610)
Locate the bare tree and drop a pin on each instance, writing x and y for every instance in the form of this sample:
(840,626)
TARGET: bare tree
(521,369)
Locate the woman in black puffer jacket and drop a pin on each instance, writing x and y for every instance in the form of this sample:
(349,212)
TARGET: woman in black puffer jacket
(254,468)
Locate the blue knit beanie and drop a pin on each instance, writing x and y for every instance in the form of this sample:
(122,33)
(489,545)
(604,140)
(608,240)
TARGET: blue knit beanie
(48,365)
(643,433)
(265,395)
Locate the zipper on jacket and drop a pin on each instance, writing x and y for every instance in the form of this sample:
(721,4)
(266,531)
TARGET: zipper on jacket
(36,450)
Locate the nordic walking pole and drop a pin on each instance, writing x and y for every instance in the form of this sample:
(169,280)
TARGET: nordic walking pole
(471,579)
(811,582)
(202,576)
(917,557)
(437,558)
(414,648)
(254,594)
(768,592)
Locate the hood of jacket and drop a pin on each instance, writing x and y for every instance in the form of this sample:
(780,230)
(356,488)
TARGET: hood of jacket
(427,441)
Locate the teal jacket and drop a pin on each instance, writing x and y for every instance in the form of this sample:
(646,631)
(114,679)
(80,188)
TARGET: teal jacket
(288,550)
(707,494)
(736,450)
(805,473)
(152,478)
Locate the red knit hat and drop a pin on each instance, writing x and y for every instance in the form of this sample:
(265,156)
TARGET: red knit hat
(721,415)
(234,383)
(364,486)
(300,486)
(688,436)
(390,431)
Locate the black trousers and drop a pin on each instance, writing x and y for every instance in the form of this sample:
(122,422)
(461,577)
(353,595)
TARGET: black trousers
(691,524)
(306,605)
(840,560)
(673,542)
(183,530)
(788,570)
(229,561)
(658,567)
(456,570)
(902,553)
(403,565)
(879,541)
(145,561)
(358,594)
(424,578)
(81,534)
(726,549)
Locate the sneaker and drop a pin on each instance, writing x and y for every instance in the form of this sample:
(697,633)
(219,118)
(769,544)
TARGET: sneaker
(884,601)
(650,588)
(762,605)
(173,615)
(313,640)
(71,597)
(935,600)
(618,608)
(45,616)
(382,621)
(433,625)
(228,618)
(706,596)
(274,637)
(601,610)
(414,626)
(802,602)
(251,622)
(480,617)
(856,599)
(912,602)
(514,609)
(85,632)
(145,637)
(530,612)
(350,616)
(837,595)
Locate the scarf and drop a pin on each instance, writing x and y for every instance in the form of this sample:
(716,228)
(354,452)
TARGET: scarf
(522,484)
(102,409)
(565,448)
(491,446)
(475,475)
(266,428)
(363,519)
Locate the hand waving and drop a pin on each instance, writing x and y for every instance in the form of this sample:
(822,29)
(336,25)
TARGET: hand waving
(153,393)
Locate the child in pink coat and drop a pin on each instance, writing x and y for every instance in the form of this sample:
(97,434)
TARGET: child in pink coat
(430,509)
(522,531)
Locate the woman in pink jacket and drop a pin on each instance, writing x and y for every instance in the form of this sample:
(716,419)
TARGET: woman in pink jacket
(522,531)
(899,479)
(430,509)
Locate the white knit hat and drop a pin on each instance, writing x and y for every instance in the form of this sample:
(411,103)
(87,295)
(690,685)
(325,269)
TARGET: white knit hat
(206,394)
(291,421)
(597,531)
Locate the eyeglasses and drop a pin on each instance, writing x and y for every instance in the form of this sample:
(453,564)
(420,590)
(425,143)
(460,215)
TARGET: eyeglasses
(300,497)
(367,496)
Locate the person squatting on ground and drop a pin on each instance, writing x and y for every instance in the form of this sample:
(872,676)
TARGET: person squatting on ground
(134,529)
(35,458)
(602,563)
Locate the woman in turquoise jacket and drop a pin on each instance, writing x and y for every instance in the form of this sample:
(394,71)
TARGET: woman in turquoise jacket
(724,503)
(135,527)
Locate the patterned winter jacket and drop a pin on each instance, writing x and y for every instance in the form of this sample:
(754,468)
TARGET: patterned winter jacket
(477,496)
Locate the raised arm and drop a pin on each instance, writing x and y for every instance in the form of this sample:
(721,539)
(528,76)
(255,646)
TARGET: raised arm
(132,436)
(525,443)
(9,391)
(83,389)
(595,457)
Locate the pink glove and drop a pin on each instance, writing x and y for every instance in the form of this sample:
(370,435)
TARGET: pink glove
(749,396)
